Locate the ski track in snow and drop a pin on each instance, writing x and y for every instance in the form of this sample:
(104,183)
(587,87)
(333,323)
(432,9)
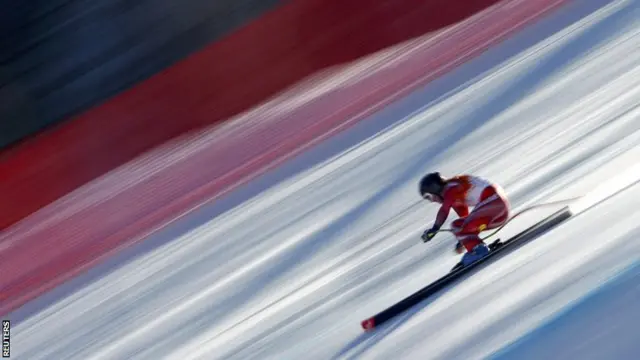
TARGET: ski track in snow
(552,113)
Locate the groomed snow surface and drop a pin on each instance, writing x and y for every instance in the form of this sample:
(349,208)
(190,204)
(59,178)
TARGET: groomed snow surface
(288,266)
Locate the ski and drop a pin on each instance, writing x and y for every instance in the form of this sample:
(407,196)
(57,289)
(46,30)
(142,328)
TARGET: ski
(458,271)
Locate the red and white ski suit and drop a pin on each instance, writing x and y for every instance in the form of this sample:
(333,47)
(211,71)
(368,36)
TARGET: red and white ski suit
(490,207)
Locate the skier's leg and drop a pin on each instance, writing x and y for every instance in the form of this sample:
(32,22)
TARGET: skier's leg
(456,226)
(487,216)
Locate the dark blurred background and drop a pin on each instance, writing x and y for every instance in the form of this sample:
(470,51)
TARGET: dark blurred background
(89,85)
(60,57)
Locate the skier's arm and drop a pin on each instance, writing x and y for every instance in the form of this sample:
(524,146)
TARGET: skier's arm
(448,200)
(443,213)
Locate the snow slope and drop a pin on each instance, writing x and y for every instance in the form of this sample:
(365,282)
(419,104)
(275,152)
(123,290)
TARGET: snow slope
(295,260)
(607,318)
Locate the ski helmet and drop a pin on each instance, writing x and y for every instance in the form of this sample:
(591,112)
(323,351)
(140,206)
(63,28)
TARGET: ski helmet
(432,183)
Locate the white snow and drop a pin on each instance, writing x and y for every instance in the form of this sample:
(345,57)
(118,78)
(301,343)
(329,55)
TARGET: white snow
(332,237)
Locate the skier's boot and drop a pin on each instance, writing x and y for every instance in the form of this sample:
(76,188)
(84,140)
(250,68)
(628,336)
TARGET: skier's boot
(479,251)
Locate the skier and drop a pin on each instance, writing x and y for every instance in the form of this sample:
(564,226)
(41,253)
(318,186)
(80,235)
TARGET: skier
(490,210)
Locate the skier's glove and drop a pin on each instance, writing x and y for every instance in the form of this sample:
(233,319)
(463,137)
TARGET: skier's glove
(429,234)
